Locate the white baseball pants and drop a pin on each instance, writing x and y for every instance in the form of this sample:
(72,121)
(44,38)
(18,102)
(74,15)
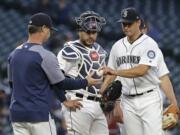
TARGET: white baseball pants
(142,114)
(89,120)
(35,128)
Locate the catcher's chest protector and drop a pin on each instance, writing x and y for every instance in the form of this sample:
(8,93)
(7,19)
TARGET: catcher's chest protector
(91,59)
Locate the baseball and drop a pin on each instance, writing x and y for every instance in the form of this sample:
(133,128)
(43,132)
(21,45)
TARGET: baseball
(99,72)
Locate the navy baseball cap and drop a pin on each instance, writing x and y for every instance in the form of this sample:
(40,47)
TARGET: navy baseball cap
(129,15)
(40,19)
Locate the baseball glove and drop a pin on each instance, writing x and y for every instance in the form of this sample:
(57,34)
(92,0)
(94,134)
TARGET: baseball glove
(170,118)
(110,95)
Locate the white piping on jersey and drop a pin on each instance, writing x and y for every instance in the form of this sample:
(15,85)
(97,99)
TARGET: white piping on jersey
(70,54)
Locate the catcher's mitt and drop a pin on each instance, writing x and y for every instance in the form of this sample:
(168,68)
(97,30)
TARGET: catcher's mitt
(113,91)
(170,118)
(110,95)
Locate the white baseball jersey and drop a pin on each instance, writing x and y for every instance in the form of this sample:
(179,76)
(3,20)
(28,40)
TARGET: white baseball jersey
(143,51)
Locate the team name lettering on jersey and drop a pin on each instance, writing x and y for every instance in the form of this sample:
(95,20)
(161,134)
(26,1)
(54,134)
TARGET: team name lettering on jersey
(128,59)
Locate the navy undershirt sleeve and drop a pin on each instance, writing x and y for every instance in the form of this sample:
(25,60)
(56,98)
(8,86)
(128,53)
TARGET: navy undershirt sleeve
(73,84)
(68,84)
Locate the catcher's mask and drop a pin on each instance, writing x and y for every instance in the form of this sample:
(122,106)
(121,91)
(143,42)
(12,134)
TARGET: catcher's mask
(90,21)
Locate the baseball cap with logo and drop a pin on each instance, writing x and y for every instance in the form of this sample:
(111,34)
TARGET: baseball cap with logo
(40,19)
(129,15)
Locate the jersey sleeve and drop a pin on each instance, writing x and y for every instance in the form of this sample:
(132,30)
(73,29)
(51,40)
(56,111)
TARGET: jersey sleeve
(162,67)
(52,69)
(150,55)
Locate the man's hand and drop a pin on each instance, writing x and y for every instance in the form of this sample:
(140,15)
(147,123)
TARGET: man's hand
(92,81)
(108,71)
(170,116)
(73,104)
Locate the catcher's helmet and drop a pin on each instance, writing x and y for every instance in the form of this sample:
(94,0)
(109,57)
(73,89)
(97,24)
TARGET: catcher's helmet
(90,21)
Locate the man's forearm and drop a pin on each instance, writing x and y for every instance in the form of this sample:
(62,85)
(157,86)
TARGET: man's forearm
(108,79)
(72,84)
(133,72)
(167,88)
(128,73)
(68,84)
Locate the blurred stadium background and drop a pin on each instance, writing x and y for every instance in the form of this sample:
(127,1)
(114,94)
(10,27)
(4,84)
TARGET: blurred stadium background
(162,18)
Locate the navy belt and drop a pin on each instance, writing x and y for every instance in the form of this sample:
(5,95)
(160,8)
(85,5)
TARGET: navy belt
(94,98)
(140,94)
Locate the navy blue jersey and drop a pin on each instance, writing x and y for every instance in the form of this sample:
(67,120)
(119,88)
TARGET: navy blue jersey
(32,71)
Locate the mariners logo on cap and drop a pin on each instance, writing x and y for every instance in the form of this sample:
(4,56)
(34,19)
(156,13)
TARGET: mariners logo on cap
(125,13)
(151,54)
